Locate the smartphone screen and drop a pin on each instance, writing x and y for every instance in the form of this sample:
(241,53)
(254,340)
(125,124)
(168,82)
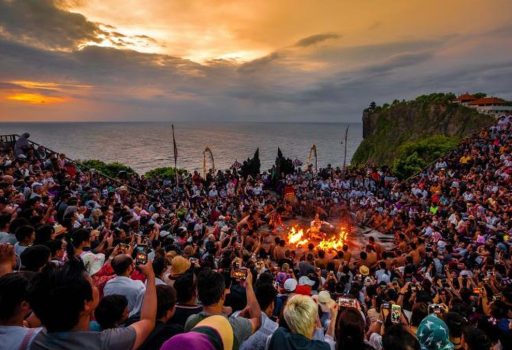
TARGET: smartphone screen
(347,302)
(239,274)
(141,255)
(396,311)
(141,258)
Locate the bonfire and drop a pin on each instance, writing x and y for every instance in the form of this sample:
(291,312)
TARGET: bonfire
(297,237)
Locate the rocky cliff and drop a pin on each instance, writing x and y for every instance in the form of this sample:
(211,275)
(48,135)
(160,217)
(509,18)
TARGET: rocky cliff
(387,127)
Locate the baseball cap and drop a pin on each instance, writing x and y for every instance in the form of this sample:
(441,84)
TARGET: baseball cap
(305,280)
(325,301)
(290,285)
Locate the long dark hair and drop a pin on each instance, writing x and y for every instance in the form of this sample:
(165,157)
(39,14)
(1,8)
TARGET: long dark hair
(350,329)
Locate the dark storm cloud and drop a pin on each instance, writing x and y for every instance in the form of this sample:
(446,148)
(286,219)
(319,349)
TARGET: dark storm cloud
(399,61)
(340,84)
(266,61)
(92,64)
(42,23)
(260,63)
(315,39)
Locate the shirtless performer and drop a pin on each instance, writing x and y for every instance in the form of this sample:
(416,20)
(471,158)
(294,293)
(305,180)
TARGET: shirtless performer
(315,229)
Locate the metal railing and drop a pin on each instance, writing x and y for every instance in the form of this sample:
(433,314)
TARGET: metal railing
(10,140)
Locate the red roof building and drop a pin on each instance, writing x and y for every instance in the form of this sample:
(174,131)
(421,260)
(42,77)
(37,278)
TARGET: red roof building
(487,101)
(465,98)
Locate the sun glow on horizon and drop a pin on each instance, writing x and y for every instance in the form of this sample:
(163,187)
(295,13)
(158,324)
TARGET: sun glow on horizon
(34,98)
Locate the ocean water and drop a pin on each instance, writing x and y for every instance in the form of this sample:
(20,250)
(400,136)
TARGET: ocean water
(148,145)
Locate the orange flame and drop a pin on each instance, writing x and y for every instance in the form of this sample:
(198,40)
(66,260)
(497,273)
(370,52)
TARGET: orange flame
(335,243)
(296,238)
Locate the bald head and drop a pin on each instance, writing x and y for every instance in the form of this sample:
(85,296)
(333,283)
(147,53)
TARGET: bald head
(121,264)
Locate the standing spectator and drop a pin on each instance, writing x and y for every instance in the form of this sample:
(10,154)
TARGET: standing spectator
(350,331)
(433,334)
(64,300)
(398,337)
(21,146)
(166,301)
(186,295)
(266,295)
(300,314)
(212,292)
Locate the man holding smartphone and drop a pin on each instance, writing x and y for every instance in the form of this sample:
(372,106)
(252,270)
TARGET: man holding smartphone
(123,265)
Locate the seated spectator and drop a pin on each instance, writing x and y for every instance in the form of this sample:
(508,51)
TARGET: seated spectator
(212,292)
(7,259)
(57,250)
(82,239)
(212,333)
(25,236)
(160,267)
(122,284)
(5,220)
(14,308)
(179,265)
(44,233)
(35,258)
(111,312)
(64,299)
(186,296)
(166,301)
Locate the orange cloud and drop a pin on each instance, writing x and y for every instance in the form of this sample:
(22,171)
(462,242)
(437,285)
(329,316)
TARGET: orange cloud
(47,85)
(33,98)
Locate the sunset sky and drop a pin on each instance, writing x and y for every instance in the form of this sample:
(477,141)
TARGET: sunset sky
(245,60)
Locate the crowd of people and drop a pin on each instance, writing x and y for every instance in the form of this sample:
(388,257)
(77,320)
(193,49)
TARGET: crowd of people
(203,262)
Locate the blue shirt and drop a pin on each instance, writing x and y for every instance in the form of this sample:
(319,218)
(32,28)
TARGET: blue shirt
(133,291)
(258,340)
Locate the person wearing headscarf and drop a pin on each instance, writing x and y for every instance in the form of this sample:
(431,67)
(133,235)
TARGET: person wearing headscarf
(433,334)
